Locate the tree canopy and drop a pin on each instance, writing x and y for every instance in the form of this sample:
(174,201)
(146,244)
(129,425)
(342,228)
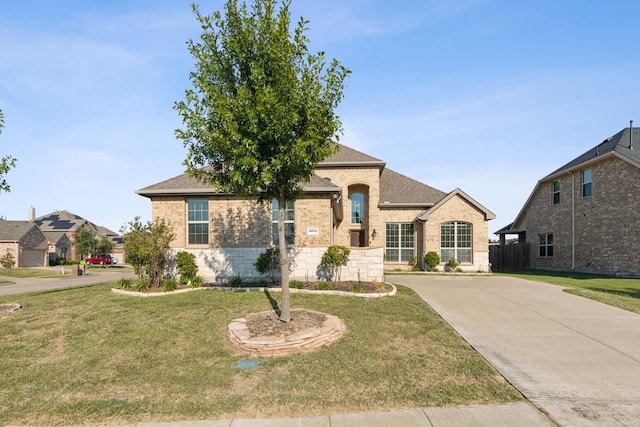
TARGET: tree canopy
(6,163)
(261,113)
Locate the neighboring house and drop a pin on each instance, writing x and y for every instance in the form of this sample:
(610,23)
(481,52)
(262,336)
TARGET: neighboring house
(60,227)
(585,215)
(387,219)
(59,246)
(25,241)
(117,240)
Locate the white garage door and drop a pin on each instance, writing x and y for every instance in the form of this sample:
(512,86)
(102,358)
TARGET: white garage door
(32,258)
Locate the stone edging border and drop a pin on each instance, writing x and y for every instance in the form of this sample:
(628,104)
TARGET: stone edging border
(393,291)
(305,341)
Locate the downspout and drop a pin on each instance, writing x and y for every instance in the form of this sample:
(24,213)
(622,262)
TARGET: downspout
(573,221)
(331,221)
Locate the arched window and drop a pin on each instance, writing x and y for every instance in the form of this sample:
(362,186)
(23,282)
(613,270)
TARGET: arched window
(357,208)
(455,241)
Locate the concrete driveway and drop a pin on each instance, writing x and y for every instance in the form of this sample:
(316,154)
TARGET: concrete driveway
(35,284)
(577,360)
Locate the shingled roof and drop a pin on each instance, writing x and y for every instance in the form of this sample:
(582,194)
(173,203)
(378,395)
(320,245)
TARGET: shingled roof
(13,231)
(347,156)
(59,221)
(620,143)
(398,190)
(186,184)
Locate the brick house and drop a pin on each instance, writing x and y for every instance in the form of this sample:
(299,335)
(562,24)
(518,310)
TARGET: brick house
(584,215)
(25,241)
(353,200)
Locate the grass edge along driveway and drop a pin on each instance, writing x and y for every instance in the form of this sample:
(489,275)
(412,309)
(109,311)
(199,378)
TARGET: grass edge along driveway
(89,356)
(621,292)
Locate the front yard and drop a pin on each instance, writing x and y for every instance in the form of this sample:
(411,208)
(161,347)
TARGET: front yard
(89,356)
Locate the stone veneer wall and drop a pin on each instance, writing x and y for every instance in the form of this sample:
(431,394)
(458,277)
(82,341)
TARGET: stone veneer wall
(222,264)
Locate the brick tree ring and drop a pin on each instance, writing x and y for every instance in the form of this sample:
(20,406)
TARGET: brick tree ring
(263,334)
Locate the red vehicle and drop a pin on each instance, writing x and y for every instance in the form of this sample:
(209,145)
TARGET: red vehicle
(102,260)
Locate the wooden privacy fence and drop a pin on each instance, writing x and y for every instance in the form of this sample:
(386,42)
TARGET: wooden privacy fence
(509,257)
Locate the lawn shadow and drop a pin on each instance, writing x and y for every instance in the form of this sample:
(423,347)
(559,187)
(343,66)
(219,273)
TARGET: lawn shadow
(273,302)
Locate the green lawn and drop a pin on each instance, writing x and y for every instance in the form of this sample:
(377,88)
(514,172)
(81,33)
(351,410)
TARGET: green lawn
(616,291)
(90,356)
(25,272)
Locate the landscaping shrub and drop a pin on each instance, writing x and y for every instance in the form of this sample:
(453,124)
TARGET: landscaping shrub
(296,284)
(7,260)
(236,282)
(452,264)
(323,286)
(196,282)
(268,263)
(170,285)
(332,261)
(355,287)
(186,265)
(123,283)
(142,286)
(432,260)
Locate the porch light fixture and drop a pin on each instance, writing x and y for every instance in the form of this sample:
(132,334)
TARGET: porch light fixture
(373,235)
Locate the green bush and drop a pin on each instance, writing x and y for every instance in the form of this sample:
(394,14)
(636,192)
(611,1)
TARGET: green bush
(123,283)
(268,263)
(170,285)
(236,282)
(142,286)
(186,265)
(296,284)
(452,264)
(355,287)
(7,260)
(432,260)
(323,286)
(332,261)
(196,282)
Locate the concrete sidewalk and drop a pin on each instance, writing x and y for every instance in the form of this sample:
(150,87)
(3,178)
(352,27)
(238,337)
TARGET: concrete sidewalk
(517,414)
(576,359)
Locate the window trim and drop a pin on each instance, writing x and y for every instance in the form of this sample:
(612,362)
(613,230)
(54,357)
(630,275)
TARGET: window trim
(204,222)
(400,248)
(556,191)
(456,242)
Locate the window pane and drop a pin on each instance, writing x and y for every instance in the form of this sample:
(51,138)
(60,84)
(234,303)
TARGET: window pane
(447,231)
(198,234)
(464,255)
(406,237)
(198,210)
(447,254)
(357,208)
(586,190)
(392,235)
(556,186)
(406,255)
(392,255)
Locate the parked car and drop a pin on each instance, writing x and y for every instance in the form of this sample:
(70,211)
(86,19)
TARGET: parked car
(102,260)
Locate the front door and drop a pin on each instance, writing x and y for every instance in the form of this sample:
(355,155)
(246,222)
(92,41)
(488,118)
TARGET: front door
(357,238)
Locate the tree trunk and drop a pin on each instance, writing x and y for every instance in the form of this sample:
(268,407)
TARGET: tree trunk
(285,310)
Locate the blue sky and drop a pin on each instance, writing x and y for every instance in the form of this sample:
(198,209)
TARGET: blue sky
(486,96)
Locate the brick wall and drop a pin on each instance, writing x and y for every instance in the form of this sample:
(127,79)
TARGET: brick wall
(606,223)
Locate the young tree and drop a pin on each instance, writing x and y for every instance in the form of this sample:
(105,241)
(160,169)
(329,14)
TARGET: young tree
(6,163)
(104,246)
(261,114)
(85,242)
(147,246)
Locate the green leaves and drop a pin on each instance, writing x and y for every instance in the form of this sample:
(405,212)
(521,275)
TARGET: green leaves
(6,163)
(261,108)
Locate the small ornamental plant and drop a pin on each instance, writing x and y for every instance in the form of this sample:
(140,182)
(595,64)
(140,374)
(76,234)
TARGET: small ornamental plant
(432,260)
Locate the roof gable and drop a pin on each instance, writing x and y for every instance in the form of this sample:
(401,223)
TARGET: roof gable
(59,221)
(488,215)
